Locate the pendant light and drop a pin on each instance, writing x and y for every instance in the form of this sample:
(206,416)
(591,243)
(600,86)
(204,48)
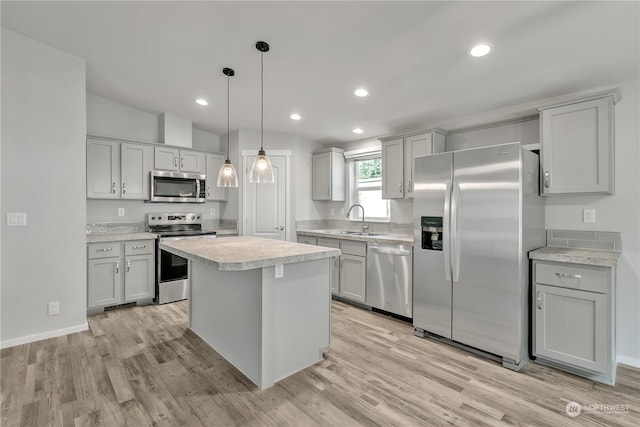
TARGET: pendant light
(227,177)
(261,171)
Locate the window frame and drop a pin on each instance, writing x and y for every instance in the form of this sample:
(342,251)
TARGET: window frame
(356,214)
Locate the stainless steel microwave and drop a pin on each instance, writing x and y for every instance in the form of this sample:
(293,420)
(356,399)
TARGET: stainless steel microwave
(177,187)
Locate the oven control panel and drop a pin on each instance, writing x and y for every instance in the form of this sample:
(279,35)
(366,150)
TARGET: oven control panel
(180,218)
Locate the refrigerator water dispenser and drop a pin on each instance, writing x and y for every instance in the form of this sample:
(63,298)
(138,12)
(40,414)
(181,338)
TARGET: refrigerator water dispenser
(431,232)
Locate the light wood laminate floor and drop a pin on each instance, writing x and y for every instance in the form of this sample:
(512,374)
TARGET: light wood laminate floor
(140,366)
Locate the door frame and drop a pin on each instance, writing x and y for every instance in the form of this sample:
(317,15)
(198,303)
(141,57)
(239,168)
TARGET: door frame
(247,162)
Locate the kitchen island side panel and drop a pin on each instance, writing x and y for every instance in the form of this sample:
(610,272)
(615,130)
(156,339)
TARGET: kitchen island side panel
(225,311)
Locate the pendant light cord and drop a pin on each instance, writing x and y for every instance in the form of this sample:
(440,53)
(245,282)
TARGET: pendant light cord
(261,101)
(228,108)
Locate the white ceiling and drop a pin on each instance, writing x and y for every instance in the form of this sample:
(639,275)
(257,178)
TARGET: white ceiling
(411,56)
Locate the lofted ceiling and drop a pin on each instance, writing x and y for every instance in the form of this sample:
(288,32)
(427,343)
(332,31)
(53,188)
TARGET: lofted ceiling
(411,56)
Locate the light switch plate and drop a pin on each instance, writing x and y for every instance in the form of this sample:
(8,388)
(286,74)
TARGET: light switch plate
(16,219)
(120,211)
(588,215)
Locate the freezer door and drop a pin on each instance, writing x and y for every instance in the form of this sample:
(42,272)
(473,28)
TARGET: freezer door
(431,277)
(486,249)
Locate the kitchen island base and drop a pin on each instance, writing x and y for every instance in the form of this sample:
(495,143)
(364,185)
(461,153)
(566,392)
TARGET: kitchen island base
(267,328)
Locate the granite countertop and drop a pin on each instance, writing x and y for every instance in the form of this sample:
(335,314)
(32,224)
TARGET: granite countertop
(576,256)
(114,237)
(245,252)
(222,231)
(385,238)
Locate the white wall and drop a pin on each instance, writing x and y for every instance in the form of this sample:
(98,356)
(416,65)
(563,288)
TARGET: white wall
(43,165)
(110,119)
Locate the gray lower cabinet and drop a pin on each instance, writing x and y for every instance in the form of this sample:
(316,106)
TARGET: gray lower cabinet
(574,318)
(120,272)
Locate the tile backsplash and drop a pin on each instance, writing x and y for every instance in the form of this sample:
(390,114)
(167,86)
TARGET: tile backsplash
(602,240)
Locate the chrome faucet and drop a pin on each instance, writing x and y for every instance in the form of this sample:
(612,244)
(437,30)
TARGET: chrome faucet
(365,227)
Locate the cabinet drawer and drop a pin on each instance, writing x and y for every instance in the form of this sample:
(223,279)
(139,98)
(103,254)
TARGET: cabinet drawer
(353,248)
(104,250)
(329,243)
(307,240)
(573,276)
(139,247)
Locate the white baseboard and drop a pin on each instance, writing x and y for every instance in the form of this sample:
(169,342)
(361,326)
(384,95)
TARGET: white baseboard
(43,336)
(626,360)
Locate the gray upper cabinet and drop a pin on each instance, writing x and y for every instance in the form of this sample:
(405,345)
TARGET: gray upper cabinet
(118,170)
(393,169)
(174,159)
(136,161)
(328,181)
(415,146)
(398,155)
(577,146)
(103,169)
(214,162)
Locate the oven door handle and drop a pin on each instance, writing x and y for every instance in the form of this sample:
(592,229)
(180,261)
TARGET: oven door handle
(197,188)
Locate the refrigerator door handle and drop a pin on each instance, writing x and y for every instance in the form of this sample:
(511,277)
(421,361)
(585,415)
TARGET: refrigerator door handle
(446,247)
(455,251)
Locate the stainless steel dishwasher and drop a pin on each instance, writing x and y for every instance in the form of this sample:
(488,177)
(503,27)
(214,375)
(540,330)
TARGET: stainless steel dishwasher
(389,278)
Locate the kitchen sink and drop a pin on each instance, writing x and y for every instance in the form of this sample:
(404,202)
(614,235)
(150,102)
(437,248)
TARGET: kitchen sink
(352,233)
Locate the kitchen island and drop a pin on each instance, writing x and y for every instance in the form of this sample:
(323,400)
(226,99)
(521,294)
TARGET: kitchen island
(263,304)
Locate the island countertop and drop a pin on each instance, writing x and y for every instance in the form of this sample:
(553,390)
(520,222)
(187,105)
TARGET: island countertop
(246,252)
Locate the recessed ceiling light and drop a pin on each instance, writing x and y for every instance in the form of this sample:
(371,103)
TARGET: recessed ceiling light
(480,49)
(295,116)
(361,92)
(357,130)
(201,101)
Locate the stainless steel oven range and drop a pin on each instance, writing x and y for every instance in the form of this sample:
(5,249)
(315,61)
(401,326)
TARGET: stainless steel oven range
(172,275)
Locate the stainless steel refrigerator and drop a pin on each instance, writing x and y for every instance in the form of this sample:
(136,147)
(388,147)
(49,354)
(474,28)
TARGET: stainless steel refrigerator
(477,214)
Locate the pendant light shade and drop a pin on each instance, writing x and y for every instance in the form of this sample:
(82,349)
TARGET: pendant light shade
(227,176)
(261,171)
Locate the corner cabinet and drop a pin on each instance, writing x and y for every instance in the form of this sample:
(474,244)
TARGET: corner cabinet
(118,170)
(328,175)
(398,156)
(120,272)
(574,318)
(577,146)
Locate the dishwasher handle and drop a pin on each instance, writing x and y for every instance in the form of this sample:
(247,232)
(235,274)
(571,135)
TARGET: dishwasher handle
(390,251)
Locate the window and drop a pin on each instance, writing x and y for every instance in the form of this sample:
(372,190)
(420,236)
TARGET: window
(367,189)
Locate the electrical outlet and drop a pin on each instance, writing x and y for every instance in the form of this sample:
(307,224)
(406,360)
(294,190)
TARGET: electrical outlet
(279,271)
(53,308)
(588,215)
(16,219)
(120,211)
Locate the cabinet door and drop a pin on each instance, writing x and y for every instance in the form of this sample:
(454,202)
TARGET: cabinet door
(577,148)
(139,277)
(414,146)
(104,282)
(571,327)
(353,270)
(321,170)
(103,169)
(214,163)
(393,169)
(136,164)
(193,161)
(335,263)
(166,158)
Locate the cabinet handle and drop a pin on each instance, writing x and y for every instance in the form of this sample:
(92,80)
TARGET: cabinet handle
(104,250)
(208,191)
(139,247)
(342,263)
(113,188)
(124,188)
(547,179)
(335,262)
(539,300)
(117,267)
(279,228)
(328,191)
(128,265)
(409,188)
(571,276)
(181,162)
(400,187)
(175,161)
